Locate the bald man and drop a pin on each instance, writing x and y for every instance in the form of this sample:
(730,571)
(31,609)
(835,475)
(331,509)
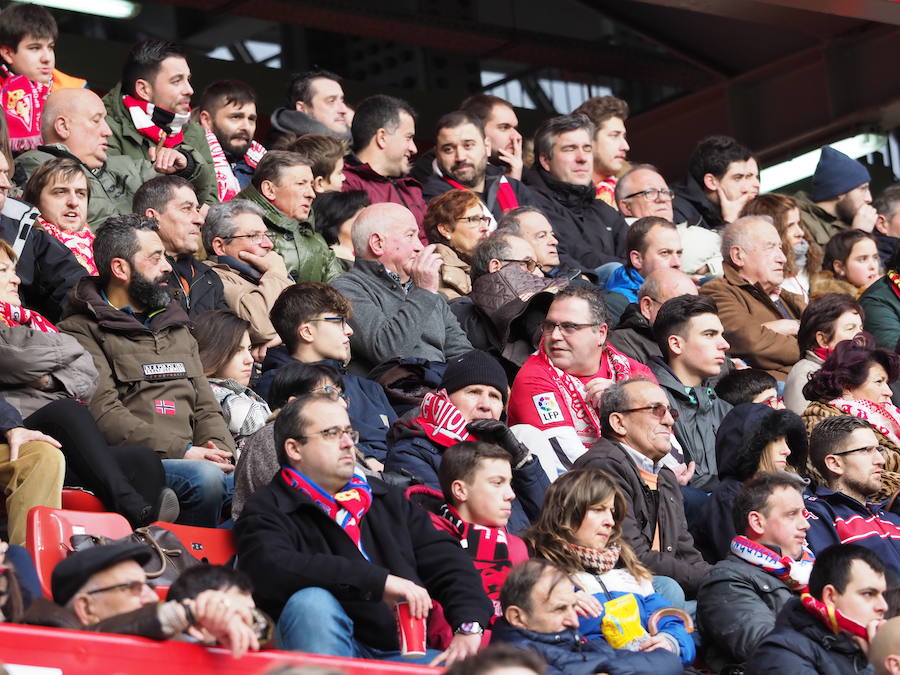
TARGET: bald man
(634,334)
(393,285)
(74,125)
(884,651)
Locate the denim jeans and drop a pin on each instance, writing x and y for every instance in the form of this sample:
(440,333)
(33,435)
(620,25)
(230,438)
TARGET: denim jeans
(314,622)
(204,491)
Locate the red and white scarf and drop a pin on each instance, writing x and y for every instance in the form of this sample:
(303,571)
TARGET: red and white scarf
(23,103)
(81,243)
(885,417)
(832,618)
(16,315)
(156,123)
(585,418)
(794,573)
(226,182)
(441,421)
(488,548)
(606,191)
(347,507)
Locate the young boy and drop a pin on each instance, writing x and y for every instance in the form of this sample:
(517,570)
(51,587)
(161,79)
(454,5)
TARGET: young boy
(477,498)
(327,156)
(749,386)
(27,74)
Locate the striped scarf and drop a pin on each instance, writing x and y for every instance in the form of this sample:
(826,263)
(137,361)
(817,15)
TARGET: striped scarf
(16,315)
(226,182)
(794,573)
(156,123)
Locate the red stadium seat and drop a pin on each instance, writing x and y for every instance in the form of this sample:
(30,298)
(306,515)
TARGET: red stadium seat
(76,499)
(49,531)
(206,544)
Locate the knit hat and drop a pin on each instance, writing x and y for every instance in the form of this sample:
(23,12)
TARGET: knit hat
(836,173)
(73,572)
(475,367)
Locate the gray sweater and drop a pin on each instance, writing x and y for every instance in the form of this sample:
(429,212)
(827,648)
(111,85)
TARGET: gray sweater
(389,321)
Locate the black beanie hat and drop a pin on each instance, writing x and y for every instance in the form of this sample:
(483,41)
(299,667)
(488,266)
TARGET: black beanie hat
(475,367)
(836,173)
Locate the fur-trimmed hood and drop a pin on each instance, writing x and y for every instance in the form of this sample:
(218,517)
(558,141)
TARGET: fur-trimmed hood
(746,431)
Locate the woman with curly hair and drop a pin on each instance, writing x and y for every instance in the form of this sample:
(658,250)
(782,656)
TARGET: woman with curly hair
(804,255)
(855,380)
(580,531)
(456,223)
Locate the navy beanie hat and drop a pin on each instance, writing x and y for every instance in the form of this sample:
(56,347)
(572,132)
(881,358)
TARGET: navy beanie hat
(475,367)
(836,173)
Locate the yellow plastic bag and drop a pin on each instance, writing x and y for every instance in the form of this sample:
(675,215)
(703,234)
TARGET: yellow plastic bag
(621,624)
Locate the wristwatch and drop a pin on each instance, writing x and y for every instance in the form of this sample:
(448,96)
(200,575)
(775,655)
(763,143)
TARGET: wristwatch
(470,628)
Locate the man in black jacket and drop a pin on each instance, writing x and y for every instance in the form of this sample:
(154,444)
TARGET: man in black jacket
(847,587)
(331,554)
(172,202)
(591,233)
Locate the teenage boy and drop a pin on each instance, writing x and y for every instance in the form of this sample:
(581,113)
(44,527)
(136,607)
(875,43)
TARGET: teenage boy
(750,385)
(476,482)
(327,156)
(27,74)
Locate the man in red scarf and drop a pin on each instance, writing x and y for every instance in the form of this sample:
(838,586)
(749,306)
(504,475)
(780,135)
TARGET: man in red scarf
(738,600)
(331,552)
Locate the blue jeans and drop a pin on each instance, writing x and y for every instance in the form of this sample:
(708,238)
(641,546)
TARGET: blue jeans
(204,491)
(314,622)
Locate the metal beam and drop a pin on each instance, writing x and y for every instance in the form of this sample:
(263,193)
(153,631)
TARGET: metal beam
(792,104)
(882,11)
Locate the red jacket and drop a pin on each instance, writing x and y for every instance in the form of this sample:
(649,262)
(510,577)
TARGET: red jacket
(406,191)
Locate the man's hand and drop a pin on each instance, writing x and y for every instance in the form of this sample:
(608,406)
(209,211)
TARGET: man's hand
(41,383)
(211,453)
(865,218)
(18,436)
(513,159)
(264,263)
(595,389)
(872,630)
(231,626)
(496,432)
(657,642)
(731,208)
(167,160)
(425,270)
(398,589)
(684,472)
(460,647)
(783,326)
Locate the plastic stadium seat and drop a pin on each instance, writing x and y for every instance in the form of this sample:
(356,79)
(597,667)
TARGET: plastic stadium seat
(206,544)
(49,530)
(76,499)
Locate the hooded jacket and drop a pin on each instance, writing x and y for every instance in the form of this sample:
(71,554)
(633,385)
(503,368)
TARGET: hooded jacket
(304,251)
(676,555)
(692,206)
(736,608)
(741,440)
(370,411)
(700,412)
(821,224)
(435,185)
(802,645)
(127,140)
(590,232)
(410,451)
(286,543)
(568,653)
(286,121)
(150,385)
(743,308)
(405,190)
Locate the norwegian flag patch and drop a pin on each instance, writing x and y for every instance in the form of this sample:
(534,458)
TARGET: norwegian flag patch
(164,407)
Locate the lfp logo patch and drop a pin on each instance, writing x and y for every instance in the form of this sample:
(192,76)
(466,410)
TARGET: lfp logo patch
(547,408)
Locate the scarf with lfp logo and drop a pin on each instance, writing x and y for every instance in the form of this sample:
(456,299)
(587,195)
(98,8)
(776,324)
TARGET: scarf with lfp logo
(346,507)
(794,573)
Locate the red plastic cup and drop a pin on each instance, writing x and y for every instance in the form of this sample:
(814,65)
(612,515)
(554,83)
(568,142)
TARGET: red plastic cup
(411,631)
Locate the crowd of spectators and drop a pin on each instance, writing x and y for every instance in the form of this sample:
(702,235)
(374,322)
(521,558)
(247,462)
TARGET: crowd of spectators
(546,402)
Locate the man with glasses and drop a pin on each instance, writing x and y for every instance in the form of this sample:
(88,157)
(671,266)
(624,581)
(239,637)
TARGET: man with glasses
(240,249)
(558,389)
(845,451)
(105,588)
(282,186)
(313,321)
(331,552)
(172,202)
(761,320)
(636,422)
(642,192)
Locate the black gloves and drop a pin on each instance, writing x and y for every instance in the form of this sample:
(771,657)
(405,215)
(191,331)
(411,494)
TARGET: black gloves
(496,432)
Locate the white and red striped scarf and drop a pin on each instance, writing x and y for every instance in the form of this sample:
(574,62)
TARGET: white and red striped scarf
(81,243)
(885,417)
(16,315)
(226,182)
(156,123)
